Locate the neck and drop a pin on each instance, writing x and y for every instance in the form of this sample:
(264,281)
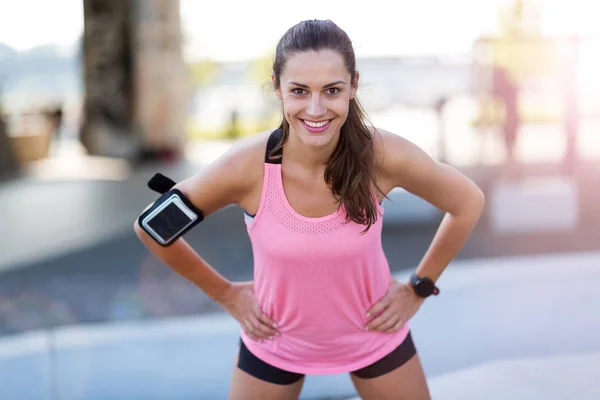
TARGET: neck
(313,159)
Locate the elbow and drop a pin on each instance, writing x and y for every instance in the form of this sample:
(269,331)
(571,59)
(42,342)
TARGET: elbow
(142,235)
(478,201)
(471,205)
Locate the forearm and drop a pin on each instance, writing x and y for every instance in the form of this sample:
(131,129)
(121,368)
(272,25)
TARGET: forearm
(450,237)
(181,258)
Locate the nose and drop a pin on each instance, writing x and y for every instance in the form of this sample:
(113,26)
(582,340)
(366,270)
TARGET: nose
(315,106)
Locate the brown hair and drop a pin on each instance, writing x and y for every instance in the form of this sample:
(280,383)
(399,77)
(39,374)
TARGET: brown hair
(350,171)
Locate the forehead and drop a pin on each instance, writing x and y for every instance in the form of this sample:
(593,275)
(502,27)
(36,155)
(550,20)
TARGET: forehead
(315,68)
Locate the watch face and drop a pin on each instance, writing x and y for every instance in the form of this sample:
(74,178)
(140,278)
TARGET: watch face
(424,288)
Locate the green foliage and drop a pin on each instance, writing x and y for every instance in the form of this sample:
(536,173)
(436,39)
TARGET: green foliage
(247,126)
(261,68)
(204,72)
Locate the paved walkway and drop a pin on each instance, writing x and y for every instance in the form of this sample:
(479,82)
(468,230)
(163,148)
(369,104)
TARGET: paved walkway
(573,376)
(521,328)
(502,329)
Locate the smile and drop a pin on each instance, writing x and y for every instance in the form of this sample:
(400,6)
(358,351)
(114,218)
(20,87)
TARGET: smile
(314,126)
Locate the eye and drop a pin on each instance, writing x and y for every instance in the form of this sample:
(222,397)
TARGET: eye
(298,91)
(333,91)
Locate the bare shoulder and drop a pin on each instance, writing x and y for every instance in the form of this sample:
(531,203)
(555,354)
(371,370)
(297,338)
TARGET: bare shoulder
(231,178)
(246,157)
(401,163)
(393,152)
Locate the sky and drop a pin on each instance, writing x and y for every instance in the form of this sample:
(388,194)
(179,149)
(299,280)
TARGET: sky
(28,23)
(229,30)
(376,27)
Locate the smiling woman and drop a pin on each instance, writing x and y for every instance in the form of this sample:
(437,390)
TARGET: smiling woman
(323,300)
(317,85)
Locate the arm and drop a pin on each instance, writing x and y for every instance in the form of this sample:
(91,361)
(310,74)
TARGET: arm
(403,164)
(235,178)
(228,180)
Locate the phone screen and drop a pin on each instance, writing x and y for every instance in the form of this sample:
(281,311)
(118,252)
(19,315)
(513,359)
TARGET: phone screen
(169,222)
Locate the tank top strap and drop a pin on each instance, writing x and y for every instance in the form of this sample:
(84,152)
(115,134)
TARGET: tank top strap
(269,199)
(271,143)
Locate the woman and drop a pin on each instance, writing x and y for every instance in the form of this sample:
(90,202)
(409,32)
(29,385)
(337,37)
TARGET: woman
(323,300)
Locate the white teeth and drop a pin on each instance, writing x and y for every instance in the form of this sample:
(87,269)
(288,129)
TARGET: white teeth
(316,124)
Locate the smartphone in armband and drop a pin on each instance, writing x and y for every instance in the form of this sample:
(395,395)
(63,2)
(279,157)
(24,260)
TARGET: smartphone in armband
(169,217)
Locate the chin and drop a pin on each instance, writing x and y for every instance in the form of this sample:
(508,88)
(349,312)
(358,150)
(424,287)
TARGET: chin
(320,140)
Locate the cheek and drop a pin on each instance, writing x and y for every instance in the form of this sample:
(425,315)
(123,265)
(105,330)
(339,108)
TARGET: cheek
(292,107)
(341,109)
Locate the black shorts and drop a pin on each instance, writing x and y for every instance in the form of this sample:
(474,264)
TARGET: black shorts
(259,369)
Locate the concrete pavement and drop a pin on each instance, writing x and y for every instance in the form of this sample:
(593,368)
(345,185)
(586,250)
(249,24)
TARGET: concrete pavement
(510,328)
(561,377)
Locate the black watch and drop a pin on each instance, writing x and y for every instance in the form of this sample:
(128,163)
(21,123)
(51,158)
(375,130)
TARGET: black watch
(423,287)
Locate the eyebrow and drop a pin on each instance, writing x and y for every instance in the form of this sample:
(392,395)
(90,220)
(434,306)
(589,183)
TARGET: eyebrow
(324,87)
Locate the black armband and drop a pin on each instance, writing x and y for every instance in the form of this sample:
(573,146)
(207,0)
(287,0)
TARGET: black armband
(171,216)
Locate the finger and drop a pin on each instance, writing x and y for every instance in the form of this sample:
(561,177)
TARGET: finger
(396,327)
(378,308)
(264,331)
(250,330)
(266,320)
(266,325)
(247,330)
(383,321)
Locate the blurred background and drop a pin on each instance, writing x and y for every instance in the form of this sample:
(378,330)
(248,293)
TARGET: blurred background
(98,95)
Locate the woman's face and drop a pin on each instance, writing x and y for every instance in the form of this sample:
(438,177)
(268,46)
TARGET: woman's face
(316,89)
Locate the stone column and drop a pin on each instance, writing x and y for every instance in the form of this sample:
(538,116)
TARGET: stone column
(107,76)
(135,78)
(160,76)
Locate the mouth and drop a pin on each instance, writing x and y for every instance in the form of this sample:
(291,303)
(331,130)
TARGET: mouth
(316,126)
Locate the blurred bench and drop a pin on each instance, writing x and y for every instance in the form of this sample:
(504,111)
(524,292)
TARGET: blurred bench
(30,133)
(535,205)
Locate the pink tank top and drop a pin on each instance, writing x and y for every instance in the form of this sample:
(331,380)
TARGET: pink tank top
(316,278)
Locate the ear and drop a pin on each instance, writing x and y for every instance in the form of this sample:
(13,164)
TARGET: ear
(354,85)
(277,91)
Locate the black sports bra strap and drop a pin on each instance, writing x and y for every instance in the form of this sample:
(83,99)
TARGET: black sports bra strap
(271,143)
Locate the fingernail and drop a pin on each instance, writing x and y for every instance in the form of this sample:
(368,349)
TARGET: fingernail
(366,329)
(368,315)
(275,326)
(270,337)
(277,334)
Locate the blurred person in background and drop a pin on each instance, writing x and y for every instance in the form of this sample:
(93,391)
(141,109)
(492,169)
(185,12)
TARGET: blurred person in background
(323,300)
(8,161)
(506,90)
(54,114)
(54,118)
